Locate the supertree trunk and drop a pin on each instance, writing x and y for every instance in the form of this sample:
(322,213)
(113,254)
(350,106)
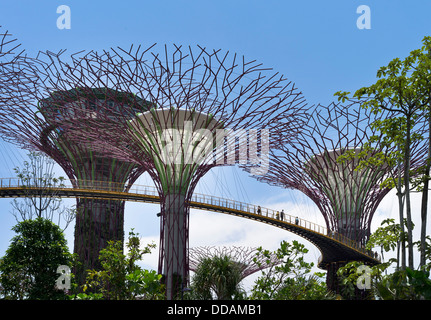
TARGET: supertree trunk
(174,228)
(176,139)
(97,221)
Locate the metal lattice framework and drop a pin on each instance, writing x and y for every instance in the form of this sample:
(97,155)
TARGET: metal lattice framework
(346,196)
(175,114)
(245,257)
(8,47)
(8,60)
(29,119)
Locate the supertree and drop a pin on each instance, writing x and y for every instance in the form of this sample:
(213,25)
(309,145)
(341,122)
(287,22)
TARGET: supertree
(98,221)
(198,109)
(327,161)
(30,118)
(246,257)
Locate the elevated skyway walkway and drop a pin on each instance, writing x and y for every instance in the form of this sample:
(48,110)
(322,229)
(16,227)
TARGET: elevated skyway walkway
(333,247)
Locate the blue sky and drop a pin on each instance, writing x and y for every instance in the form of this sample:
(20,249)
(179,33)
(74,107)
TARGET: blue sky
(316,44)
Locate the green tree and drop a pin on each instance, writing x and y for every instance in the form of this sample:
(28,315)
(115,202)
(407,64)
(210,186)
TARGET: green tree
(403,89)
(425,248)
(291,279)
(305,287)
(404,284)
(29,268)
(121,278)
(38,172)
(350,274)
(387,237)
(217,277)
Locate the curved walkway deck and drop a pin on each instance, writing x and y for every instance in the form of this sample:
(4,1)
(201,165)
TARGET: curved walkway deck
(333,247)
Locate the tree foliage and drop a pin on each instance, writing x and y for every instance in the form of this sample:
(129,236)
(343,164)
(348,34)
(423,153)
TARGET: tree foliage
(290,280)
(387,237)
(121,278)
(217,277)
(402,284)
(29,268)
(403,91)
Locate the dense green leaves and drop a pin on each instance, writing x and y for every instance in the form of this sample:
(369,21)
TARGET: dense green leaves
(217,277)
(405,284)
(402,94)
(291,279)
(29,268)
(121,277)
(402,284)
(387,237)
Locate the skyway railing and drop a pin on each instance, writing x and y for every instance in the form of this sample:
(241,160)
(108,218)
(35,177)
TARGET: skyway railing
(276,215)
(206,201)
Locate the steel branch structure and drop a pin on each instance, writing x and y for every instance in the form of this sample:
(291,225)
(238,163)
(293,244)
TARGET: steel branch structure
(98,221)
(35,90)
(33,121)
(326,160)
(8,54)
(175,114)
(245,257)
(9,58)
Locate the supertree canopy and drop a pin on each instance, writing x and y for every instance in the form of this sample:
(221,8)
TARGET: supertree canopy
(35,119)
(327,161)
(174,113)
(346,190)
(247,258)
(310,163)
(98,221)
